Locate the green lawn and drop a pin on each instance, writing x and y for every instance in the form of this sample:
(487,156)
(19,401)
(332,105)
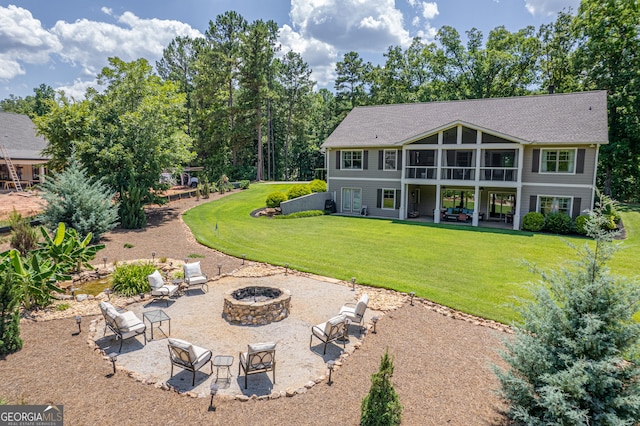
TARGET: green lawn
(475,270)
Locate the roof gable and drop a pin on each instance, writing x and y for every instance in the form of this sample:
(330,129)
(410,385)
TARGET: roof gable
(19,135)
(570,118)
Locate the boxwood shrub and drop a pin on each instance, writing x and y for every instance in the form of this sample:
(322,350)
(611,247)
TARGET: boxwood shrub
(275,198)
(580,223)
(533,221)
(318,185)
(298,191)
(558,223)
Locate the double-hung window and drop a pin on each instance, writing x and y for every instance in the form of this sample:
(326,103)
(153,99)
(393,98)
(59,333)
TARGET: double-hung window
(352,160)
(555,205)
(558,161)
(388,198)
(390,159)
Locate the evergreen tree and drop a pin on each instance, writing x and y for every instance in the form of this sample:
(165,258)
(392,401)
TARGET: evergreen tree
(575,358)
(10,340)
(381,407)
(82,203)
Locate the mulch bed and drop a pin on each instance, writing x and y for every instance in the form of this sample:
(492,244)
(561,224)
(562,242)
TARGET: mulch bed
(442,362)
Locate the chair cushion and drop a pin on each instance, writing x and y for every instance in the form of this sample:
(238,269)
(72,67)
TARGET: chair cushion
(196,353)
(331,323)
(165,290)
(126,321)
(258,347)
(181,344)
(155,280)
(195,280)
(192,269)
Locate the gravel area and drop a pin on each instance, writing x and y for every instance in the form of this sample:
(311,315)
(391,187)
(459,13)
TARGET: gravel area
(442,359)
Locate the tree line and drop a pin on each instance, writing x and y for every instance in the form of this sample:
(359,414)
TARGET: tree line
(231,102)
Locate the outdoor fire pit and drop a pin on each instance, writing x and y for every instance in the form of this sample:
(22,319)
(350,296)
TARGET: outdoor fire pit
(256,305)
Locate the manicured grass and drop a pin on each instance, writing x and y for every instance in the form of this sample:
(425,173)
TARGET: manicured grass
(475,270)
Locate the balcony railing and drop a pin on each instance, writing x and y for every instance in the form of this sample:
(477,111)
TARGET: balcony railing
(500,174)
(459,173)
(420,172)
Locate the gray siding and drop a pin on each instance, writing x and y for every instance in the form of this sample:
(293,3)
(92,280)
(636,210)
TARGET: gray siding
(369,190)
(372,170)
(585,178)
(585,195)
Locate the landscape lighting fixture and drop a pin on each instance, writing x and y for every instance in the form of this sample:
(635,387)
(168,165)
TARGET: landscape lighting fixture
(353,283)
(244,256)
(104,261)
(330,365)
(286,268)
(213,390)
(374,319)
(153,256)
(413,293)
(78,321)
(113,357)
(219,268)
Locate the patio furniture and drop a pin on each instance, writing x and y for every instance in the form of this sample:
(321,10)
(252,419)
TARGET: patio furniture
(223,361)
(329,331)
(194,276)
(259,358)
(159,289)
(156,316)
(124,325)
(355,312)
(188,357)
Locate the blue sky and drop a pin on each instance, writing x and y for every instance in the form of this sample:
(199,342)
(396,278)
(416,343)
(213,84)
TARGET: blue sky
(65,43)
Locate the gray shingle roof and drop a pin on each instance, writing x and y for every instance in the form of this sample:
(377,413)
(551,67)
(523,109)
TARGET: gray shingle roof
(18,135)
(561,118)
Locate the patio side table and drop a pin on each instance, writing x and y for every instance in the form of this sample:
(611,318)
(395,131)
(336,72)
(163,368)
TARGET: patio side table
(223,361)
(156,316)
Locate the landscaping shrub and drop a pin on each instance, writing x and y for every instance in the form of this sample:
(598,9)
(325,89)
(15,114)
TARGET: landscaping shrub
(298,191)
(10,340)
(80,202)
(318,185)
(132,215)
(533,221)
(244,184)
(275,198)
(558,223)
(24,237)
(580,223)
(381,406)
(306,213)
(223,184)
(206,188)
(131,279)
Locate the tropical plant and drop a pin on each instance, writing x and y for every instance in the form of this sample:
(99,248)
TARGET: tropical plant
(381,406)
(575,359)
(10,340)
(81,202)
(130,279)
(533,221)
(23,236)
(67,250)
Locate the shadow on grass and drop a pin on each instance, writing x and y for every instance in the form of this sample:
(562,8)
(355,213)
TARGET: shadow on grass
(466,228)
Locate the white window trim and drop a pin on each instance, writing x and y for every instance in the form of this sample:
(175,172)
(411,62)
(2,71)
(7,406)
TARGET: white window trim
(384,160)
(575,158)
(361,151)
(394,199)
(570,197)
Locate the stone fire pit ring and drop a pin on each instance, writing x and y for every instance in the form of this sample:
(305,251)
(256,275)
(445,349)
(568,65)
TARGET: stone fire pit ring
(256,305)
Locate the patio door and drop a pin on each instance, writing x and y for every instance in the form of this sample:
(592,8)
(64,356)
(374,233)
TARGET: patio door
(351,200)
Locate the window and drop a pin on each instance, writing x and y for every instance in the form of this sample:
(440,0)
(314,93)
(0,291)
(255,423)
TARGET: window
(390,159)
(558,160)
(351,199)
(388,198)
(352,160)
(555,205)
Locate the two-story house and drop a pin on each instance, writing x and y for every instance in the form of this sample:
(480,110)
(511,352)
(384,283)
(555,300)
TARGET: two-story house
(530,153)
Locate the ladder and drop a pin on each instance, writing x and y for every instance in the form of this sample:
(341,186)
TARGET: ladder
(12,170)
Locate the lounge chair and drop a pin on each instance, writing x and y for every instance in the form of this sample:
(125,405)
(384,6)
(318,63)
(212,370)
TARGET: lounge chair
(194,276)
(259,358)
(355,312)
(329,331)
(160,289)
(188,357)
(124,325)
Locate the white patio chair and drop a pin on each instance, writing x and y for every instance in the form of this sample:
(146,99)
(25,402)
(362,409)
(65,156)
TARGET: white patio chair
(194,276)
(333,329)
(160,289)
(355,312)
(124,325)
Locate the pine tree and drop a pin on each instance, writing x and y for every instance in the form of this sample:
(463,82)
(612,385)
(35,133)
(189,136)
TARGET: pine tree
(575,357)
(80,202)
(381,407)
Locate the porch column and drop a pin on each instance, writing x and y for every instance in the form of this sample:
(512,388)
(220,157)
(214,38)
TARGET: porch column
(436,211)
(41,174)
(516,213)
(476,206)
(403,202)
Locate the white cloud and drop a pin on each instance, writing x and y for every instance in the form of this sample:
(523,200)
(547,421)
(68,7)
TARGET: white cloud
(430,10)
(359,25)
(549,7)
(23,40)
(78,88)
(320,56)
